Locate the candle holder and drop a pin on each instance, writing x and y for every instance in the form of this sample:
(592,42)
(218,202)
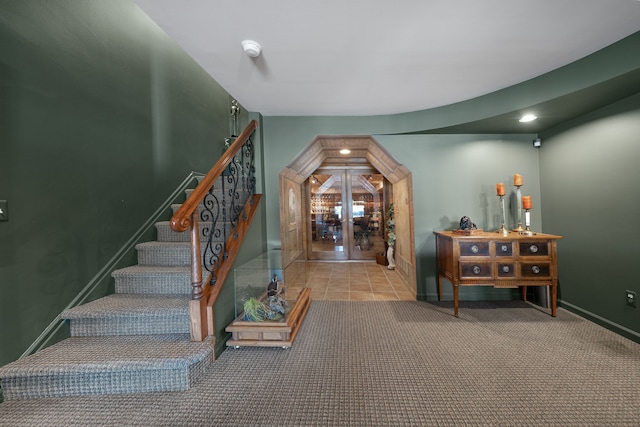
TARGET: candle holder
(502,230)
(527,224)
(519,204)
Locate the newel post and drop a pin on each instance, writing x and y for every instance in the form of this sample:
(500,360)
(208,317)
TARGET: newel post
(196,264)
(197,305)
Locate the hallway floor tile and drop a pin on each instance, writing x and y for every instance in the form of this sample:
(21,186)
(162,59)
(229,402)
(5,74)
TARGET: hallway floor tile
(355,281)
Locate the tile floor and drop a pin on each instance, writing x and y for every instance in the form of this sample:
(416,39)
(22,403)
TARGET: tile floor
(355,281)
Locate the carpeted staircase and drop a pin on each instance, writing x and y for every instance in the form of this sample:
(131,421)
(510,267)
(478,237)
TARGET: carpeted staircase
(136,340)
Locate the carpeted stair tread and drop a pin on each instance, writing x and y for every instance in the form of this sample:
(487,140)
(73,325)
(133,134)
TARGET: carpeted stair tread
(156,279)
(81,354)
(100,365)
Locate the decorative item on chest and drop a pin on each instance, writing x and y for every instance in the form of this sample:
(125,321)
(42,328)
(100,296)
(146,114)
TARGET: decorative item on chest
(467,227)
(523,203)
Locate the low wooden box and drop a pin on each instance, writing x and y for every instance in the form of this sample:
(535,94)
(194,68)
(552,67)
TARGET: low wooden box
(270,334)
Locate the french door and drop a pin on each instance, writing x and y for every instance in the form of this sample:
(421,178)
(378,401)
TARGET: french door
(345,215)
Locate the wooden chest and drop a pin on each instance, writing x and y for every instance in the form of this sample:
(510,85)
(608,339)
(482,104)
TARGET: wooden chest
(491,259)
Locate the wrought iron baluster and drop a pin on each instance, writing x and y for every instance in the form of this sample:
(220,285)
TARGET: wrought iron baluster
(212,231)
(224,206)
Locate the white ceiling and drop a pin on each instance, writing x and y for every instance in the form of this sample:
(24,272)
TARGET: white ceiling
(370,57)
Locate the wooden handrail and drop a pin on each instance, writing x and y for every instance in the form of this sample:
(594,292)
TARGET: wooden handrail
(182,220)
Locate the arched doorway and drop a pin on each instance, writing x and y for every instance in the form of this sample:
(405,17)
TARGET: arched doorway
(324,153)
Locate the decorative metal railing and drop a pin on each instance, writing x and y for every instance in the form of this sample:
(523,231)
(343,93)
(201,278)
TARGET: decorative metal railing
(223,205)
(213,213)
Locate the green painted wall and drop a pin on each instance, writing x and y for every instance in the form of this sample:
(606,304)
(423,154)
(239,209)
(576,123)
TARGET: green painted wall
(589,183)
(456,175)
(102,116)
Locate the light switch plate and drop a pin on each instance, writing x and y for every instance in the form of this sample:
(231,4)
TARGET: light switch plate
(4,210)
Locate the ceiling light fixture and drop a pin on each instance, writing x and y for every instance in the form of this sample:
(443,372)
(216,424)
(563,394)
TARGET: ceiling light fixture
(251,48)
(528,118)
(345,151)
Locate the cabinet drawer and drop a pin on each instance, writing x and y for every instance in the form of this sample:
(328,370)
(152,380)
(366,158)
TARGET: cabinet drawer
(506,270)
(539,248)
(504,248)
(474,248)
(476,270)
(535,270)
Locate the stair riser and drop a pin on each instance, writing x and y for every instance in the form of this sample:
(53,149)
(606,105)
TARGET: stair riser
(174,284)
(166,256)
(130,325)
(118,381)
(217,203)
(166,234)
(218,191)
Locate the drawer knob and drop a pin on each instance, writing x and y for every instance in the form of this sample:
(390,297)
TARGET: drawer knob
(535,269)
(505,269)
(475,249)
(476,269)
(504,248)
(533,248)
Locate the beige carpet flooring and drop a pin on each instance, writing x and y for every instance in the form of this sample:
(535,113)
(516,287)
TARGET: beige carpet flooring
(393,363)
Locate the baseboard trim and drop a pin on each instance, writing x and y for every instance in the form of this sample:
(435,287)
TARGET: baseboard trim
(606,323)
(52,329)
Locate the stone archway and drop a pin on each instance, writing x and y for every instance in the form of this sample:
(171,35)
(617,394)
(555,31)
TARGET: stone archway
(323,149)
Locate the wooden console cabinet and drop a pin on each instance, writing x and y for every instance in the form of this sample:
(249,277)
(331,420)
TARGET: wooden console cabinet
(491,259)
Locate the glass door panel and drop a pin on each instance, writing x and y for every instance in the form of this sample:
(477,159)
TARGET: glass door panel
(365,199)
(328,240)
(346,216)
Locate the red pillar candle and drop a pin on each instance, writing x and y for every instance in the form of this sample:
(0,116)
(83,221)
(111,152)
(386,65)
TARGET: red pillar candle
(526,202)
(500,189)
(517,180)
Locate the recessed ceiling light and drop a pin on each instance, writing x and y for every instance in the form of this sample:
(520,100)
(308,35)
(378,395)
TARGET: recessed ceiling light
(345,151)
(528,118)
